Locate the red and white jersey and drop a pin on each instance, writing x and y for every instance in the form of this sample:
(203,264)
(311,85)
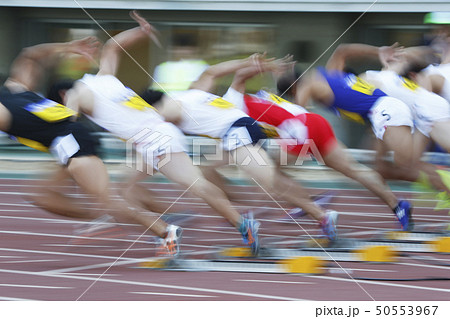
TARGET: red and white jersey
(292,108)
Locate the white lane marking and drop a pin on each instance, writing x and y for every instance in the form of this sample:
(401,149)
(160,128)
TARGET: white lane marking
(168,183)
(276,281)
(16,299)
(65,236)
(94,266)
(33,286)
(77,245)
(169,294)
(28,261)
(380,283)
(219,239)
(423,265)
(19,257)
(390,216)
(62,253)
(88,274)
(369,270)
(148,284)
(124,262)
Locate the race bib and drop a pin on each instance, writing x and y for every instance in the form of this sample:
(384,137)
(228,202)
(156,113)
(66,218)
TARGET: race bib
(50,111)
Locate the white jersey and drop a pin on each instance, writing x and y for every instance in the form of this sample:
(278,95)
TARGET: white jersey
(119,109)
(206,114)
(396,86)
(426,106)
(444,70)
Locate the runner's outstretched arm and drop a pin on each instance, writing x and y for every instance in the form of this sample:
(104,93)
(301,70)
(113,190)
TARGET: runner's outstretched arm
(122,42)
(344,52)
(207,79)
(27,69)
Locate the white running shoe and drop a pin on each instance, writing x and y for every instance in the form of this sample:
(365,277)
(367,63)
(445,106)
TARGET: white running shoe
(170,245)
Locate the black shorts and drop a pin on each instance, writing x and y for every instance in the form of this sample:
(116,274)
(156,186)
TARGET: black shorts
(88,142)
(64,140)
(253,128)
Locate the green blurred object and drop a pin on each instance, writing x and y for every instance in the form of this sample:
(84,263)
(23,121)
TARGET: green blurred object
(437,18)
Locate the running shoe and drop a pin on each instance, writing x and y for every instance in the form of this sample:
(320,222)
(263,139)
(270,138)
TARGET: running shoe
(329,224)
(249,230)
(403,214)
(170,245)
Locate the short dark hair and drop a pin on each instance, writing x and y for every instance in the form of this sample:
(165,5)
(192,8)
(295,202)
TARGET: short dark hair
(151,96)
(54,90)
(286,81)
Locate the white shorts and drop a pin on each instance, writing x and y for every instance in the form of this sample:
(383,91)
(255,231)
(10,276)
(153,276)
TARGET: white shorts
(430,108)
(236,137)
(389,111)
(64,147)
(144,150)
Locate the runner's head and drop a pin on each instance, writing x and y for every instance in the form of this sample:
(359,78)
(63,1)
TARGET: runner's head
(58,90)
(416,59)
(152,97)
(287,83)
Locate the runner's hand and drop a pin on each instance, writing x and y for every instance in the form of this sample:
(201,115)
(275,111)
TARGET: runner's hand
(88,47)
(146,27)
(389,54)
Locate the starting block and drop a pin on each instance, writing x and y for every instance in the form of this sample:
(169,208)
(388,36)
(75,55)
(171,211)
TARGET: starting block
(376,254)
(318,243)
(303,265)
(156,263)
(441,245)
(237,252)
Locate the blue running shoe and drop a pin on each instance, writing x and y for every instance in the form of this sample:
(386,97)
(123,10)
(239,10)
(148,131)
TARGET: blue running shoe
(328,224)
(403,214)
(249,230)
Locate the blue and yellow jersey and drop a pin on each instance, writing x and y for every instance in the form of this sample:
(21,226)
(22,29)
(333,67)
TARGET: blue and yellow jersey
(353,97)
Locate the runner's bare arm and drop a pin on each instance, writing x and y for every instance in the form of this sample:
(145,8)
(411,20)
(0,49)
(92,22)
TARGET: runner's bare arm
(246,73)
(122,42)
(344,52)
(208,78)
(28,68)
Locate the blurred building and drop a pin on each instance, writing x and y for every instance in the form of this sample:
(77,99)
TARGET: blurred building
(308,29)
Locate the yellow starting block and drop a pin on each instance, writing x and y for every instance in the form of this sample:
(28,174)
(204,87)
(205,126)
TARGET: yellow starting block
(441,245)
(156,263)
(377,254)
(303,265)
(397,235)
(237,252)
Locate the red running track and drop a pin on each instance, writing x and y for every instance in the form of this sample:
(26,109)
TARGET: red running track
(42,259)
